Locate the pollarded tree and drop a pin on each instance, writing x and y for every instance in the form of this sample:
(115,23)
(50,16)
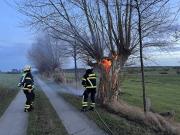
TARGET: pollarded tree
(105,31)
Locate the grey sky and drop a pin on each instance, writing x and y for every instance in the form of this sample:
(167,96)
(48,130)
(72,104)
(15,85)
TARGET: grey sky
(13,57)
(15,41)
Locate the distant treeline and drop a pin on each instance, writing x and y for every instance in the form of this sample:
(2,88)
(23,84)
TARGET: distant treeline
(13,71)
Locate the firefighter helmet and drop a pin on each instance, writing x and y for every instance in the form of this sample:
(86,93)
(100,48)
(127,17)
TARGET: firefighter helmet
(27,68)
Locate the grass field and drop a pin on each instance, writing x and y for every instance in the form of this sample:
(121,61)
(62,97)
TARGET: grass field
(163,90)
(9,80)
(44,120)
(8,90)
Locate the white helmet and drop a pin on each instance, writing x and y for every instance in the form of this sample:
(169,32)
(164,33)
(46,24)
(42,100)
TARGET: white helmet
(27,68)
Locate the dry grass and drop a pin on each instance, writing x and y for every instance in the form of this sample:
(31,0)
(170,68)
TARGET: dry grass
(152,120)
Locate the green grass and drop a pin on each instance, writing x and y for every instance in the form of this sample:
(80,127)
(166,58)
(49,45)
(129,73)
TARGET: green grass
(163,90)
(8,90)
(118,125)
(9,80)
(44,120)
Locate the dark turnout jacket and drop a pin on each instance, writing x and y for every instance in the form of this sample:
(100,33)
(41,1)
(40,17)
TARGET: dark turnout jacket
(26,81)
(89,80)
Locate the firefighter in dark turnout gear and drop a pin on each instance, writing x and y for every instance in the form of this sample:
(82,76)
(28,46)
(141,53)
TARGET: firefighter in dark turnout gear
(27,83)
(89,82)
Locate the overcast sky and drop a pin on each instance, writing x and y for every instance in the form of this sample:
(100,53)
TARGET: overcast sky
(15,41)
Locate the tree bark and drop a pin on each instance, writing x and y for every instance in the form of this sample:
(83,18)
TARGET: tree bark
(75,63)
(109,83)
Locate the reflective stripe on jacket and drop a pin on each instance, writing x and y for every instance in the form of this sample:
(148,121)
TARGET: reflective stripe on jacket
(89,81)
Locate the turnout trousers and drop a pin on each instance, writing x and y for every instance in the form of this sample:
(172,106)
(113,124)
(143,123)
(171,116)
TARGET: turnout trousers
(27,106)
(30,96)
(92,92)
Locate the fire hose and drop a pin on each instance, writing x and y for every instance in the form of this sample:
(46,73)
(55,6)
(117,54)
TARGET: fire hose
(105,124)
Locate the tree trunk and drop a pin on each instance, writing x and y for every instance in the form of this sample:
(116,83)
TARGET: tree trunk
(141,56)
(104,87)
(110,82)
(75,64)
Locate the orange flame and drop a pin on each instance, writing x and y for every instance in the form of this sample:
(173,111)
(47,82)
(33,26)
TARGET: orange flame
(106,64)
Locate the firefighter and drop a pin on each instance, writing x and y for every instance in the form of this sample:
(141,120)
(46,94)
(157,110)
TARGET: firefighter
(89,82)
(27,83)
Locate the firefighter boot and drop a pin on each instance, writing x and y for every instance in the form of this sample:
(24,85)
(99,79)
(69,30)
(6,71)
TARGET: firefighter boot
(30,109)
(31,106)
(84,109)
(91,108)
(25,110)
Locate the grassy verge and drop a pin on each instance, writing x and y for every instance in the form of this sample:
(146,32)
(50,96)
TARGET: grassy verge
(44,120)
(119,125)
(8,90)
(6,96)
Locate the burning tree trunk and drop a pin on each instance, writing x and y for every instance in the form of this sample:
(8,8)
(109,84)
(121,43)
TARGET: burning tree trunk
(103,87)
(110,82)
